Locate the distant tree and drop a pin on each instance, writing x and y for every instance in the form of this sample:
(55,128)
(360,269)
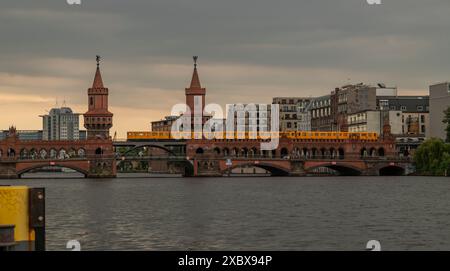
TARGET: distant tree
(447,121)
(433,157)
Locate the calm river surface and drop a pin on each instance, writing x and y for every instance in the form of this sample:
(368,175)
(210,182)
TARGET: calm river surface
(266,213)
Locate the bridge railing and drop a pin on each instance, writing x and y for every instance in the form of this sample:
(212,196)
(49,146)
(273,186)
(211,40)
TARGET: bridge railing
(257,157)
(308,157)
(77,158)
(151,157)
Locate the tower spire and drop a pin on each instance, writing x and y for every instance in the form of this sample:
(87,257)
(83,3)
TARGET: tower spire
(195,95)
(195,82)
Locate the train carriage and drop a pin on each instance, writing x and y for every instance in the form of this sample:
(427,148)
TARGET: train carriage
(294,135)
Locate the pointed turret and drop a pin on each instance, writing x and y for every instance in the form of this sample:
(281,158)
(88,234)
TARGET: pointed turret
(195,87)
(98,82)
(195,82)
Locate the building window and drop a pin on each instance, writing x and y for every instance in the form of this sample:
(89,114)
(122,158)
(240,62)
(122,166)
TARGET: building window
(403,108)
(419,108)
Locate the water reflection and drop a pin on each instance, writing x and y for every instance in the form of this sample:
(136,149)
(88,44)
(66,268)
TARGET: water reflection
(327,213)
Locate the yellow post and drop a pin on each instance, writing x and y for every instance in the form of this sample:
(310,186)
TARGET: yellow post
(15,210)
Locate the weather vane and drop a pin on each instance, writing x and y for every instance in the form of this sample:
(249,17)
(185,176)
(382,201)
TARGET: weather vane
(98,58)
(195,61)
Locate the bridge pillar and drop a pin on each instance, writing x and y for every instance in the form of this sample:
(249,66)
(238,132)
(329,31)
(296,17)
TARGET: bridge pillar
(207,168)
(8,170)
(297,168)
(102,168)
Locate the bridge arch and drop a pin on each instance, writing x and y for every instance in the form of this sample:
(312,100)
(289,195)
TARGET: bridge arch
(42,165)
(364,152)
(140,146)
(392,171)
(99,151)
(23,153)
(342,168)
(253,152)
(11,152)
(81,152)
(53,153)
(244,152)
(275,170)
(43,153)
(33,154)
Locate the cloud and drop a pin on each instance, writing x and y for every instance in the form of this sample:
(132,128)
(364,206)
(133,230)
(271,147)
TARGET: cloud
(249,51)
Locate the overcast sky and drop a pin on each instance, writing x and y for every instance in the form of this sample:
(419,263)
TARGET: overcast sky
(249,51)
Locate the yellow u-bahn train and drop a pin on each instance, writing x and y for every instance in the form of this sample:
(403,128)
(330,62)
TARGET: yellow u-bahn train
(295,135)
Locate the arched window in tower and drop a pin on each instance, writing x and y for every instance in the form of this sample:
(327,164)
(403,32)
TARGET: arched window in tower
(91,101)
(99,151)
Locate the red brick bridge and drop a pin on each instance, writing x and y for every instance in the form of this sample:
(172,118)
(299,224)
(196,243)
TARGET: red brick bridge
(94,158)
(297,157)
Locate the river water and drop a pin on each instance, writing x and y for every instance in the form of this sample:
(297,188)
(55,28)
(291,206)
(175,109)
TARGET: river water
(237,213)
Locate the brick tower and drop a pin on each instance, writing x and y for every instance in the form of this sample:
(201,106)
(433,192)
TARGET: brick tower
(98,120)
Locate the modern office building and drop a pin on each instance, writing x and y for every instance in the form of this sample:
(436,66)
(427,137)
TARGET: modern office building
(439,102)
(61,124)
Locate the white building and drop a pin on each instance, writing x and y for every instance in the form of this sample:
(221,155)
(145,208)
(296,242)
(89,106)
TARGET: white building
(373,121)
(439,102)
(61,124)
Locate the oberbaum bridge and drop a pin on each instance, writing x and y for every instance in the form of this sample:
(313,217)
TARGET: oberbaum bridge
(99,156)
